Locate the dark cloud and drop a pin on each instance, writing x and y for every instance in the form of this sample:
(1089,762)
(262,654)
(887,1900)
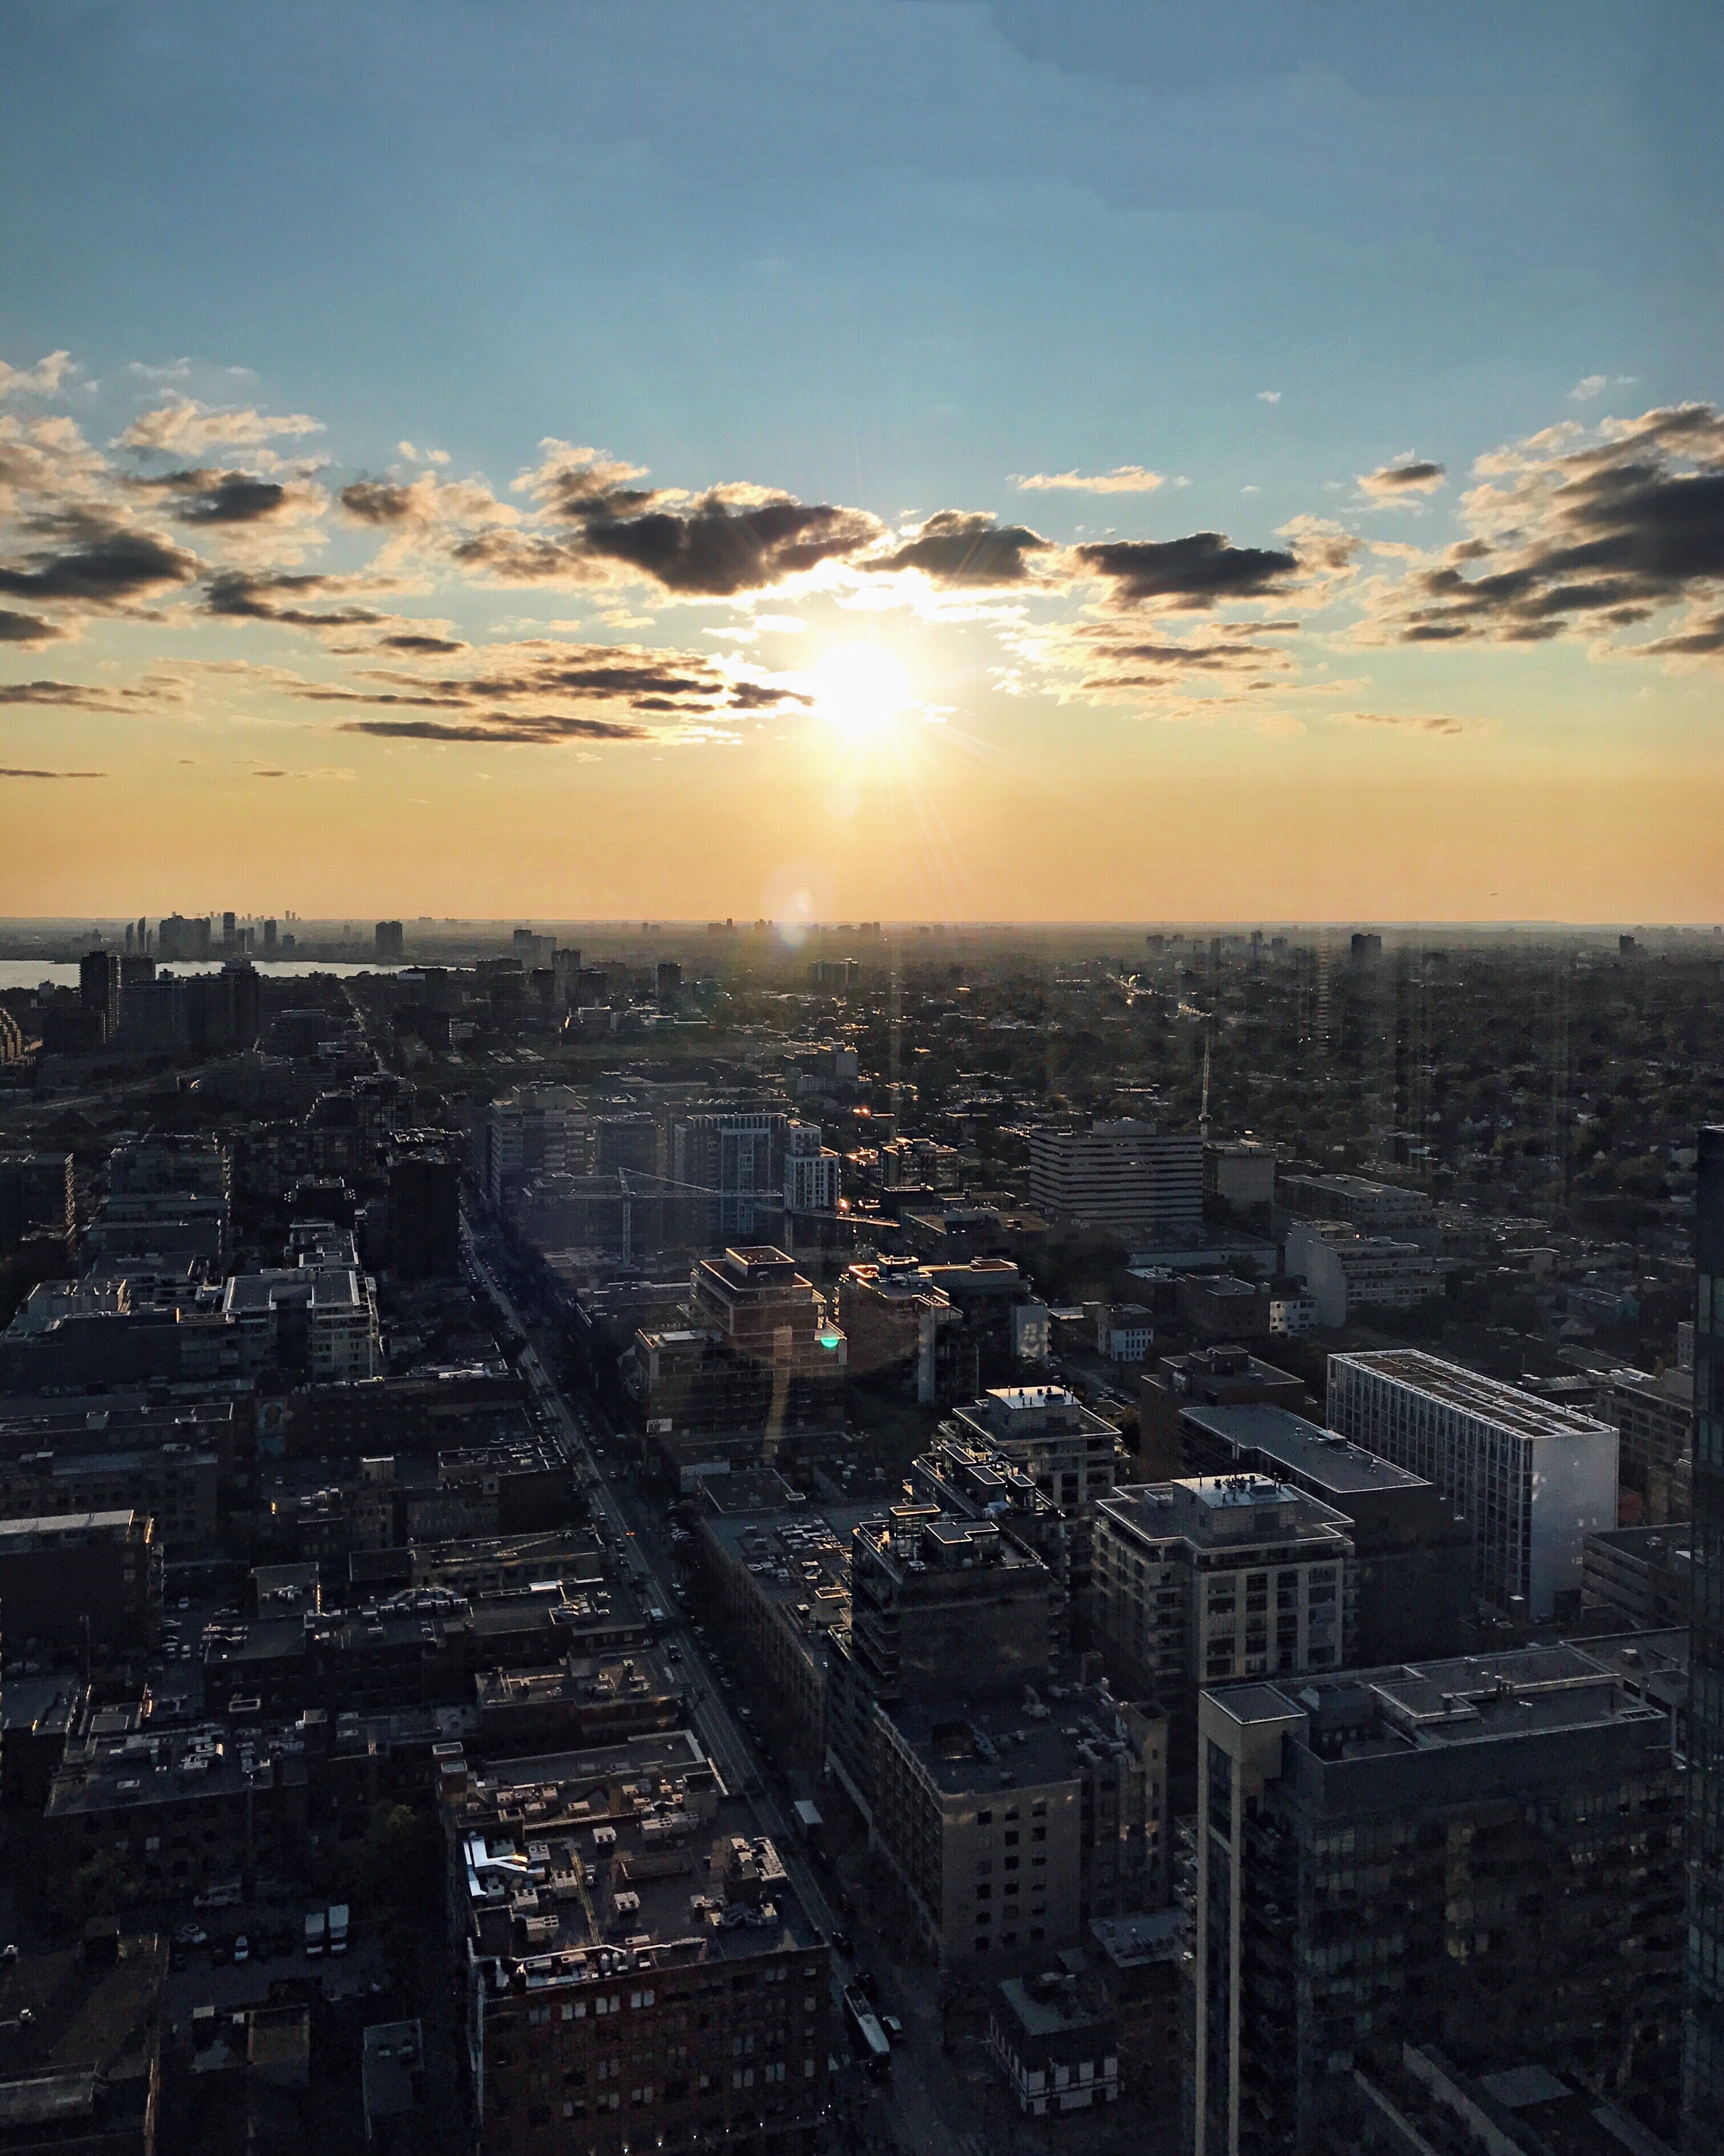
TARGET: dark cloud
(378,501)
(1190,574)
(415,643)
(68,696)
(716,547)
(272,595)
(1599,536)
(91,559)
(534,729)
(10,771)
(964,547)
(27,629)
(201,494)
(1415,476)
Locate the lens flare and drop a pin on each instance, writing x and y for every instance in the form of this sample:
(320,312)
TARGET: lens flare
(860,690)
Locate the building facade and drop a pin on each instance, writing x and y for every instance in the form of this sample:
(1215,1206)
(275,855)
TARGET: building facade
(1127,1177)
(1703,2024)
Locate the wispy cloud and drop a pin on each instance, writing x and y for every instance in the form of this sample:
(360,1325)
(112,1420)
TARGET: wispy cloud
(15,771)
(188,428)
(1407,475)
(1269,396)
(1123,479)
(43,379)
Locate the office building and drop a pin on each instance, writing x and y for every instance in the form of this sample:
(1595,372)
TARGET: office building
(424,1213)
(1411,1557)
(1531,1479)
(1350,1274)
(1484,1854)
(536,1131)
(1126,1178)
(1374,1208)
(639,1972)
(389,943)
(1703,2020)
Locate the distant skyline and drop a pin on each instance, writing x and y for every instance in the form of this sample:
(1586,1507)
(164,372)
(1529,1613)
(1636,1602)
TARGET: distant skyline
(907,462)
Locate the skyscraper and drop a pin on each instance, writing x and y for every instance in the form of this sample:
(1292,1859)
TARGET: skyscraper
(99,987)
(1703,2032)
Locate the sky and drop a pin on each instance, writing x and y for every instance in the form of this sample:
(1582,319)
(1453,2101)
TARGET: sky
(916,461)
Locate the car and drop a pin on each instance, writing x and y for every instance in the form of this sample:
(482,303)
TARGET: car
(184,1602)
(842,1941)
(242,1949)
(192,1935)
(894,2028)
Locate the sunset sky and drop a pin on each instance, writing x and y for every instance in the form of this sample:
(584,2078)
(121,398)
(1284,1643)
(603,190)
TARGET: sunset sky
(1027,461)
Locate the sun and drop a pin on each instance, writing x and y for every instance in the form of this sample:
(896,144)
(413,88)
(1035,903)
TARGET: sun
(861,689)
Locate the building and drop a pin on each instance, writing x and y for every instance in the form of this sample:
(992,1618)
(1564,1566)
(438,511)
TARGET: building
(390,944)
(315,1322)
(36,1199)
(84,2029)
(941,1608)
(1483,1853)
(1656,1418)
(535,1130)
(1241,1172)
(1349,1272)
(1067,1450)
(1703,2016)
(1642,1576)
(424,1213)
(1217,1306)
(81,1579)
(898,1324)
(99,989)
(1011,1825)
(969,1475)
(1127,1179)
(1411,1556)
(1374,1208)
(1532,1480)
(639,1972)
(732,1164)
(1219,1576)
(1057,2047)
(174,1487)
(812,1172)
(1212,1377)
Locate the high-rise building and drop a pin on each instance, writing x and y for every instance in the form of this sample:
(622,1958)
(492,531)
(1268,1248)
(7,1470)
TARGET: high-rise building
(1127,1177)
(230,927)
(1532,1479)
(270,939)
(390,943)
(1482,1855)
(1703,2032)
(36,1198)
(99,988)
(425,1213)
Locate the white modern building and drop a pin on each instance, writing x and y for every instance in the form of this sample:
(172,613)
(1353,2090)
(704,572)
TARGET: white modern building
(1128,1177)
(1375,1209)
(811,1171)
(1532,1479)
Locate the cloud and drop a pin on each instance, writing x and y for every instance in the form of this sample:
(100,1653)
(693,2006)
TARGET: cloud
(187,428)
(416,456)
(965,547)
(27,630)
(78,697)
(43,379)
(717,547)
(1408,475)
(202,494)
(1187,575)
(1123,479)
(13,770)
(529,730)
(1568,534)
(1590,385)
(92,559)
(417,644)
(1269,396)
(276,595)
(1415,722)
(47,457)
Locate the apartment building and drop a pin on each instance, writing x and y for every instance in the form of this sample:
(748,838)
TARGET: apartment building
(639,1972)
(1349,1272)
(81,1578)
(1484,1854)
(1532,1480)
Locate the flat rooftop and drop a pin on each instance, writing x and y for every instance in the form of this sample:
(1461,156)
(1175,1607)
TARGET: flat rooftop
(1487,1399)
(1000,1745)
(1327,1458)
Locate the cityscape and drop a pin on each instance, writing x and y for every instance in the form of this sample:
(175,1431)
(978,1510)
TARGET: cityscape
(861,1095)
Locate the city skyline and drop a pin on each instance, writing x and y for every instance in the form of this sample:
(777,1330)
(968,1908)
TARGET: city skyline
(1023,519)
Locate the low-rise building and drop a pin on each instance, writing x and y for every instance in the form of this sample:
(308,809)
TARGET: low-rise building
(1211,1377)
(175,1486)
(639,1969)
(1057,2046)
(1350,1273)
(84,2032)
(1645,1575)
(82,1580)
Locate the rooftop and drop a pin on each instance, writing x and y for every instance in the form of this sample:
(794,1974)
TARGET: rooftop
(1032,1741)
(1306,1447)
(1487,1399)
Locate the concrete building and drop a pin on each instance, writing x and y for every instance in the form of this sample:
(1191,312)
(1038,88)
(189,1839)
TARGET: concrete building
(36,1199)
(1057,2049)
(1067,1450)
(941,1609)
(1010,1825)
(1217,1577)
(315,1322)
(1483,1853)
(1126,1177)
(176,1486)
(1411,1556)
(1531,1479)
(81,1578)
(1655,1416)
(1217,1306)
(970,1477)
(1374,1208)
(1240,1172)
(536,1131)
(1350,1273)
(1644,1576)
(812,1173)
(1213,1377)
(638,1969)
(85,2026)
